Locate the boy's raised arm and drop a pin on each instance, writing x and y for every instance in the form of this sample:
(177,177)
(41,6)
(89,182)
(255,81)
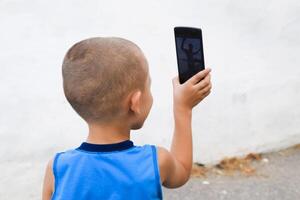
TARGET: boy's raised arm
(176,165)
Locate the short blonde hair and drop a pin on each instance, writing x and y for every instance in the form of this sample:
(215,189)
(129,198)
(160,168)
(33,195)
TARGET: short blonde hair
(99,72)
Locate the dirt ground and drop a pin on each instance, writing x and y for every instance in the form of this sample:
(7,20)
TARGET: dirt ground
(271,176)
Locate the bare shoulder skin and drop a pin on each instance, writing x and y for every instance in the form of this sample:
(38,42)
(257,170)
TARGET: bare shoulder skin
(48,185)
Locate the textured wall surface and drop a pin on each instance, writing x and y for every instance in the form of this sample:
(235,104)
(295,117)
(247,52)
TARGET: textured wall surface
(251,46)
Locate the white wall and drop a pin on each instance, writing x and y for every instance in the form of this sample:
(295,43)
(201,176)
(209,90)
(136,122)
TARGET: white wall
(251,46)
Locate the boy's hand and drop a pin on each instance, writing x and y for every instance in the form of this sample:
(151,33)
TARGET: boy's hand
(194,90)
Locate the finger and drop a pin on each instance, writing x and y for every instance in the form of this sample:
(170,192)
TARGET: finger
(200,75)
(203,83)
(203,96)
(205,89)
(206,94)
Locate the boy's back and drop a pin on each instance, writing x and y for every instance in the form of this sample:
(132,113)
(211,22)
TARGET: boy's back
(107,82)
(112,171)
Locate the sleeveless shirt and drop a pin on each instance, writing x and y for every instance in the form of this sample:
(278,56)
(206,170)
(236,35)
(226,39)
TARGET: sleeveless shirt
(107,171)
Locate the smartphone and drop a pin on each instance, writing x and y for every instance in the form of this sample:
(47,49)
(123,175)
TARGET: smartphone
(189,51)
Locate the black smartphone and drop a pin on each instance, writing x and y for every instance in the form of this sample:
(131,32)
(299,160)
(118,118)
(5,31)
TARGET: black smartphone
(189,51)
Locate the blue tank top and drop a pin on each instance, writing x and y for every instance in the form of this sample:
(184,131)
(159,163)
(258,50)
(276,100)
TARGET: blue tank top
(107,172)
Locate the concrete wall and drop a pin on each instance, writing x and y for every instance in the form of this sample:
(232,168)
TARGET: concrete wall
(251,46)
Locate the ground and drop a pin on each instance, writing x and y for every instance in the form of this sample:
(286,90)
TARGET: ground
(277,177)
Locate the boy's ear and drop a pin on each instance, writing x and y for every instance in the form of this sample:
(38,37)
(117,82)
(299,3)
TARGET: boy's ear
(135,102)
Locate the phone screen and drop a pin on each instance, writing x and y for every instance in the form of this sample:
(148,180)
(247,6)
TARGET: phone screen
(189,50)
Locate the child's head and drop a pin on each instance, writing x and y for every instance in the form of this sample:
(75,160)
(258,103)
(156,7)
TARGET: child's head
(106,79)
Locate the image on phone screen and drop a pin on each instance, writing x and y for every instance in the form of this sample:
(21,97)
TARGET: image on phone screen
(189,54)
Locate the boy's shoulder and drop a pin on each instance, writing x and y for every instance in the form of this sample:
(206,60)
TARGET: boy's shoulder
(172,173)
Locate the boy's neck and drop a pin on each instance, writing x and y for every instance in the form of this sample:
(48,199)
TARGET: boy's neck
(108,134)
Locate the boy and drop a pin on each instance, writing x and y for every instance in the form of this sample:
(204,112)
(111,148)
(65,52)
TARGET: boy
(106,80)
